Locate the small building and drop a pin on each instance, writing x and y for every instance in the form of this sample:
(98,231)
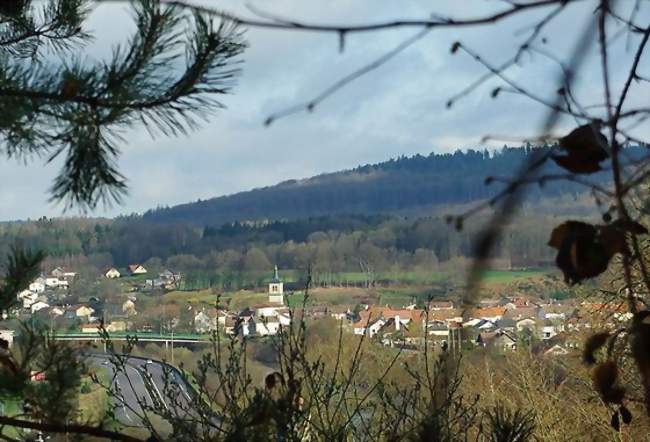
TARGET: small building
(371,328)
(497,339)
(276,289)
(55,282)
(62,273)
(28,298)
(92,327)
(111,273)
(116,326)
(82,311)
(441,305)
(137,269)
(128,308)
(551,328)
(170,277)
(204,322)
(38,286)
(39,305)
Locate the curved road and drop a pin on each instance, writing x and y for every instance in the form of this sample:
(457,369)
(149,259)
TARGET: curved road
(142,383)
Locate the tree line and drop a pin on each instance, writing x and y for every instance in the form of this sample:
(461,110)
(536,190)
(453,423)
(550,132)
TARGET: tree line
(329,245)
(405,185)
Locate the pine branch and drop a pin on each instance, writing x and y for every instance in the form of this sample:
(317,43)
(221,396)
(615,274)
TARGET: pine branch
(78,110)
(22,267)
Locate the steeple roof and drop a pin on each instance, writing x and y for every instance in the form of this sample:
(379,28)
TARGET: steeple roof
(276,276)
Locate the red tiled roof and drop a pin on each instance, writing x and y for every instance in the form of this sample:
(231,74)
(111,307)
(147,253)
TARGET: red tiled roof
(488,312)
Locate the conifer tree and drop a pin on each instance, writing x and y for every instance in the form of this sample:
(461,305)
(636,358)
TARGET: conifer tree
(58,102)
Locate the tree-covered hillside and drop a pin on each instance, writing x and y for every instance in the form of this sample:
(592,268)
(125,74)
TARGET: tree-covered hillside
(405,185)
(389,214)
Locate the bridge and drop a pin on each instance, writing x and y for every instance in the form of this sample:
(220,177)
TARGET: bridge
(172,338)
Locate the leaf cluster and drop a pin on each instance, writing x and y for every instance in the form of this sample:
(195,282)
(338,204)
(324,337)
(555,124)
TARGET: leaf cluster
(166,77)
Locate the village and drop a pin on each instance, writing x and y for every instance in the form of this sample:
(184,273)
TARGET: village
(503,324)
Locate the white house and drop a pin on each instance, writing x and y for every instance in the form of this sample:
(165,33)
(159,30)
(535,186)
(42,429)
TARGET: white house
(551,328)
(268,320)
(39,305)
(371,328)
(128,308)
(137,269)
(55,282)
(83,311)
(62,273)
(204,323)
(111,273)
(169,276)
(116,326)
(265,311)
(269,325)
(27,297)
(38,286)
(92,327)
(438,328)
(276,289)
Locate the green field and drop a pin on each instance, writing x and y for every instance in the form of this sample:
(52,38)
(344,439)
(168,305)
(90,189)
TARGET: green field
(409,287)
(407,277)
(507,276)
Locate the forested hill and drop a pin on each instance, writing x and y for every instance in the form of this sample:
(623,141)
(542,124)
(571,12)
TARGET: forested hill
(404,185)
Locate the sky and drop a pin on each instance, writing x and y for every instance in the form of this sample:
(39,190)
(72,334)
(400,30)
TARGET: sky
(397,109)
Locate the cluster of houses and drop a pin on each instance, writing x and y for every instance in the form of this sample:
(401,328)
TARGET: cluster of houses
(132,269)
(258,320)
(503,324)
(45,299)
(35,297)
(499,323)
(167,279)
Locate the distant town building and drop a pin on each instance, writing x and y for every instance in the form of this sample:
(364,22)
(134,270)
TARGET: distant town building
(204,322)
(63,273)
(39,305)
(55,282)
(38,286)
(276,289)
(137,269)
(128,308)
(28,298)
(92,327)
(111,273)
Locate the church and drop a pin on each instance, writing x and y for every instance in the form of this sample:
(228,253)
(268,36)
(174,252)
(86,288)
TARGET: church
(276,289)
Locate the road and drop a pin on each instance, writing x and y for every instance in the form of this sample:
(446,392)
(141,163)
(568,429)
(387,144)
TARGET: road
(142,383)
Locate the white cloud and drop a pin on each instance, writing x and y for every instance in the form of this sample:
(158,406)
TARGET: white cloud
(397,109)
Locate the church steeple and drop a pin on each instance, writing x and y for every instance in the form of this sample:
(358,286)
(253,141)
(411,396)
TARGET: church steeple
(276,288)
(276,276)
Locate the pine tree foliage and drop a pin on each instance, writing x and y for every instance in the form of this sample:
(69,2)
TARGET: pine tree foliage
(22,267)
(166,77)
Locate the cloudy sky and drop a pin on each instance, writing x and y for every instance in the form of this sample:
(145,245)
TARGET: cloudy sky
(398,109)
